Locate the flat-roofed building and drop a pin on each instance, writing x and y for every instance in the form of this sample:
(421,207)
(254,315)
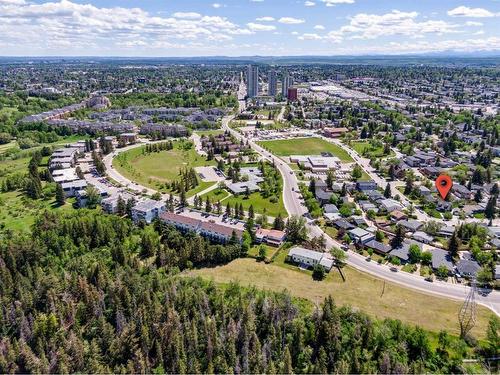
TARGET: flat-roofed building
(147,210)
(310,258)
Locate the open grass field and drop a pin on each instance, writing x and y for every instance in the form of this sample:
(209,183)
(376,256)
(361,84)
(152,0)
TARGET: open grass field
(361,146)
(361,291)
(17,212)
(256,199)
(305,146)
(156,168)
(201,133)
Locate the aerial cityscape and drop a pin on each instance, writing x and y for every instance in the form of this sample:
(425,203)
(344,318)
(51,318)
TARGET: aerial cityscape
(250,186)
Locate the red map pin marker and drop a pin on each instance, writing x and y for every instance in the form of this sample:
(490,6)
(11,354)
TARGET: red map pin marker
(444,184)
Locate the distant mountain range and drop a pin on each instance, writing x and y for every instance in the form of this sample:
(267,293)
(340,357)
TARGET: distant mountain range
(488,58)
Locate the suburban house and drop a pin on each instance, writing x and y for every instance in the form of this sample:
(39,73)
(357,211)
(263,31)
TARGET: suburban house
(360,236)
(389,205)
(422,237)
(468,268)
(442,258)
(378,247)
(411,225)
(272,237)
(310,258)
(147,210)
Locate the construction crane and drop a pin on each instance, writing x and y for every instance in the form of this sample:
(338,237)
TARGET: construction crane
(468,312)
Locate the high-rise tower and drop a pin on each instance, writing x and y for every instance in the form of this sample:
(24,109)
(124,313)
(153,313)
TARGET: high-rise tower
(273,83)
(252,81)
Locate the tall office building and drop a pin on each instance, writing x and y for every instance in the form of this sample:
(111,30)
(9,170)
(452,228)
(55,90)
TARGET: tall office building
(285,85)
(273,83)
(252,81)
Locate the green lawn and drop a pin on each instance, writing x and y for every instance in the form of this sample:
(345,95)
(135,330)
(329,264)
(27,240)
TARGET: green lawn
(361,146)
(154,169)
(18,212)
(201,133)
(305,146)
(256,199)
(374,296)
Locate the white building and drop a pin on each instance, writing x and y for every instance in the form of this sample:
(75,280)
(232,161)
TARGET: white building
(310,258)
(147,210)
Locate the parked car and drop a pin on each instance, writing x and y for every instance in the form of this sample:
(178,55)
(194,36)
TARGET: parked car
(394,269)
(429,279)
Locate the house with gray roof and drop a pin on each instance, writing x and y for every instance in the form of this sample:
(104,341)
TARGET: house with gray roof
(411,225)
(442,258)
(468,268)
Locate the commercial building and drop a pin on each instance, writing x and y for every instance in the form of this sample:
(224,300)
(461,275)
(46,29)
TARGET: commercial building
(252,81)
(334,132)
(292,94)
(272,83)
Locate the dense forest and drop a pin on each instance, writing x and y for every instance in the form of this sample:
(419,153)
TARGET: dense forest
(89,292)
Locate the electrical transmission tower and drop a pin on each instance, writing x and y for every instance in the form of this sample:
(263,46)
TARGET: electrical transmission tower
(468,311)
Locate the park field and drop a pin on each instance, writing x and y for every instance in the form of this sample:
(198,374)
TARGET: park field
(373,296)
(260,204)
(364,146)
(155,169)
(305,146)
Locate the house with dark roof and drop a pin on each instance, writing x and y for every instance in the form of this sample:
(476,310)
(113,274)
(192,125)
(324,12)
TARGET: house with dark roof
(411,225)
(378,247)
(442,258)
(468,268)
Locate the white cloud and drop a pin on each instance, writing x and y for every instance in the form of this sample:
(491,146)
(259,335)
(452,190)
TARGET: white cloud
(187,15)
(308,36)
(371,26)
(265,19)
(217,5)
(260,27)
(85,28)
(473,23)
(309,3)
(331,3)
(290,20)
(295,33)
(319,27)
(463,11)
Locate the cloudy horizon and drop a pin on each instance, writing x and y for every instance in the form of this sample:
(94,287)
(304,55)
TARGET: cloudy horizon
(233,28)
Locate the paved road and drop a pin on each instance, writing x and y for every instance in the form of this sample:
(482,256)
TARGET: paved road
(294,207)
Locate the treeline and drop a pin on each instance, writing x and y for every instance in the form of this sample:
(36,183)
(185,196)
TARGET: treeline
(157,147)
(174,100)
(92,293)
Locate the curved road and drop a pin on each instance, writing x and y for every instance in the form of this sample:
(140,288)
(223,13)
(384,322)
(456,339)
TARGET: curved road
(294,206)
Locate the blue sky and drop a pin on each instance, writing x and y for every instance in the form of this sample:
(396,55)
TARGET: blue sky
(246,27)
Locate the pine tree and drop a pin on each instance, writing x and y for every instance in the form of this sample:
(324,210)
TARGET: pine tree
(399,237)
(387,191)
(60,197)
(251,213)
(454,244)
(490,210)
